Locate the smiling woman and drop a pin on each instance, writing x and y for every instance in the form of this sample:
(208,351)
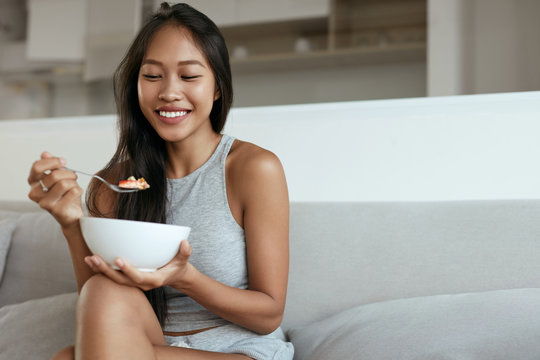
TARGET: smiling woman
(175,95)
(173,92)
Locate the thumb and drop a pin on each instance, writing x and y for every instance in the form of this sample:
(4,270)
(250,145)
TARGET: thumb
(185,248)
(46,155)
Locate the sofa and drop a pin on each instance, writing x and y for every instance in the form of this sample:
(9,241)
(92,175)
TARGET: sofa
(368,280)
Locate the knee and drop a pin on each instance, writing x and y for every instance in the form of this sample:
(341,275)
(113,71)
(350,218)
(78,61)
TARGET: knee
(100,292)
(67,353)
(101,287)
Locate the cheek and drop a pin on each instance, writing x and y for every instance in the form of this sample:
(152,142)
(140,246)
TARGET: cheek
(145,95)
(206,93)
(140,93)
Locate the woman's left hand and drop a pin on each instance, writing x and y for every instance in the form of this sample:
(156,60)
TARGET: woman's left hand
(172,274)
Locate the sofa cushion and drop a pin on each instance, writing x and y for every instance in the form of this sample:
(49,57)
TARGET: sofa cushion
(348,254)
(503,324)
(38,264)
(6,230)
(36,329)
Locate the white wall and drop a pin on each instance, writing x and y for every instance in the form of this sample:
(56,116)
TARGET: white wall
(483,46)
(439,148)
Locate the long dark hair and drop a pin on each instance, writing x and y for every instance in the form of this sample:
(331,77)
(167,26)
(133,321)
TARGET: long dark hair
(141,152)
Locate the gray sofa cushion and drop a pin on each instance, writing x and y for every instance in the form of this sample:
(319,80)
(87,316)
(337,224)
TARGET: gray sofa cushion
(6,230)
(38,264)
(348,254)
(36,329)
(495,325)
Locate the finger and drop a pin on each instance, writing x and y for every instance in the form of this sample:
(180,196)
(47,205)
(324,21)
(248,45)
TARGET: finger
(130,271)
(46,155)
(185,249)
(90,263)
(36,192)
(48,181)
(45,165)
(108,271)
(57,192)
(143,280)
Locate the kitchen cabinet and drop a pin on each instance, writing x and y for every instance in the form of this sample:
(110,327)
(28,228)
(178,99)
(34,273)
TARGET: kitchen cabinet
(349,32)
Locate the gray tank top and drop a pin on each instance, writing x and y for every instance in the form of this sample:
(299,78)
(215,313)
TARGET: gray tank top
(199,200)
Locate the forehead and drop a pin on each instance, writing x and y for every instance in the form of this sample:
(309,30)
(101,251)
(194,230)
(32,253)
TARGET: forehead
(173,42)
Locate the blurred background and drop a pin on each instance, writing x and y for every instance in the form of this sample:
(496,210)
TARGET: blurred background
(57,57)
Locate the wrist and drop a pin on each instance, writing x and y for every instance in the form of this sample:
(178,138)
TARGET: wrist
(184,280)
(72,229)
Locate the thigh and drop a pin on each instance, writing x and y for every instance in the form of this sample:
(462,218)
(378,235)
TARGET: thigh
(102,299)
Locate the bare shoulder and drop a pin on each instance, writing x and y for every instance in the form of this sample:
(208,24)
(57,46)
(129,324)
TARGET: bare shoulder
(253,171)
(248,159)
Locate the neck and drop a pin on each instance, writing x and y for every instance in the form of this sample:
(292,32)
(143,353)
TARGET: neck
(188,155)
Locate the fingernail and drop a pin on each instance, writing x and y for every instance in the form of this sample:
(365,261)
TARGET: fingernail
(63,161)
(119,262)
(95,261)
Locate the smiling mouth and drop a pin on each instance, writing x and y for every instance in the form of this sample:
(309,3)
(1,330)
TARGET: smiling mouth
(172,114)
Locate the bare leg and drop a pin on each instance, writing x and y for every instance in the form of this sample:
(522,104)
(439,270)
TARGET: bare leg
(117,322)
(67,353)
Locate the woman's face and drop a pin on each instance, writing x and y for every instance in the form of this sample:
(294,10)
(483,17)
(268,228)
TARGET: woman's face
(176,86)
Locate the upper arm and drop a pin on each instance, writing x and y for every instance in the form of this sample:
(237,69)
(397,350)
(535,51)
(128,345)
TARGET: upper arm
(265,203)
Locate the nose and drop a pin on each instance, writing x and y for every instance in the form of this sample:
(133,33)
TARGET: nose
(171,90)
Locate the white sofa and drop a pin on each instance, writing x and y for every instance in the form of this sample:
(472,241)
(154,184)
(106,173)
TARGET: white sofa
(382,280)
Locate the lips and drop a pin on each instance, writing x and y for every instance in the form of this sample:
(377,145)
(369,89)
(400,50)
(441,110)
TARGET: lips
(172,115)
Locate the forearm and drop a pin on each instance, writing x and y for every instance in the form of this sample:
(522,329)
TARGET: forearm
(78,251)
(252,309)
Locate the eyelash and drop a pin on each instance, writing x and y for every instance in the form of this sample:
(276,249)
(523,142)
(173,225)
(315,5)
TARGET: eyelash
(156,77)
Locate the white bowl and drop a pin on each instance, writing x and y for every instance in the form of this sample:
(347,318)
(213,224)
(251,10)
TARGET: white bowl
(145,245)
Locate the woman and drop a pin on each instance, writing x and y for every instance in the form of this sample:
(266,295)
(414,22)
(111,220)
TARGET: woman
(223,295)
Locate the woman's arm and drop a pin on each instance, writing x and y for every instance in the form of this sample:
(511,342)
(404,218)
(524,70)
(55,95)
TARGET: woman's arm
(63,201)
(257,183)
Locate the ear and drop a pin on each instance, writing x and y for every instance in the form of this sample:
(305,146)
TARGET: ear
(217,94)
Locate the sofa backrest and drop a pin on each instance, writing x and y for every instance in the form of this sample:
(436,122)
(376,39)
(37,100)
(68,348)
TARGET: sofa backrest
(345,254)
(342,254)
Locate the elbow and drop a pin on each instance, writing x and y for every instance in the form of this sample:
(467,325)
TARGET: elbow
(269,324)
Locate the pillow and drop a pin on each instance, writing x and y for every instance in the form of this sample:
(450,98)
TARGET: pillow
(39,264)
(6,230)
(37,329)
(503,324)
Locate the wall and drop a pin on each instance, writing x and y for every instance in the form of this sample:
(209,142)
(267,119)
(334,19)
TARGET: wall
(483,46)
(439,148)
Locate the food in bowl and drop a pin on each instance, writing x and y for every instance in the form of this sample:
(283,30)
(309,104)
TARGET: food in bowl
(145,245)
(132,183)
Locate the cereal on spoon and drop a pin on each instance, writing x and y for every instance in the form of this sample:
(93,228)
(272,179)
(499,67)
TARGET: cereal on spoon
(132,183)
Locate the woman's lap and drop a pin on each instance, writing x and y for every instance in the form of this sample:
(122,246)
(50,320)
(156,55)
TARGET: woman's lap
(234,339)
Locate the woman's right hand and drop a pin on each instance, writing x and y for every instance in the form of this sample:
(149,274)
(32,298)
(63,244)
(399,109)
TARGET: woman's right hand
(56,190)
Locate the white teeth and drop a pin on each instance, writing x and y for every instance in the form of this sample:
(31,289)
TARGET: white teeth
(171,114)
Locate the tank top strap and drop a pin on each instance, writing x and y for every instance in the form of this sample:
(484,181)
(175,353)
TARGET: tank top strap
(226,143)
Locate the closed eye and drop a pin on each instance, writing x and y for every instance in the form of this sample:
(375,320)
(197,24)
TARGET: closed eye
(190,77)
(151,77)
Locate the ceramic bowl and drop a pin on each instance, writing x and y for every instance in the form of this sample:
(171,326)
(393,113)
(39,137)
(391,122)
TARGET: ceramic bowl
(145,245)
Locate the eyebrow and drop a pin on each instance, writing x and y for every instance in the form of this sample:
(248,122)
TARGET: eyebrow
(180,63)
